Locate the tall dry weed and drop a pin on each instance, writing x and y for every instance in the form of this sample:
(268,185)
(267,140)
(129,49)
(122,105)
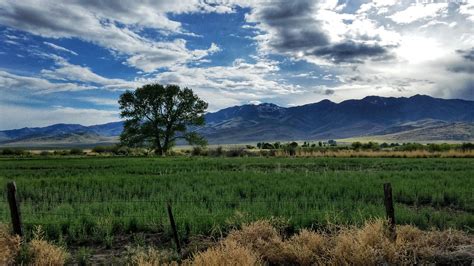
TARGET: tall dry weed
(9,245)
(414,245)
(226,253)
(368,245)
(307,247)
(149,256)
(262,238)
(43,253)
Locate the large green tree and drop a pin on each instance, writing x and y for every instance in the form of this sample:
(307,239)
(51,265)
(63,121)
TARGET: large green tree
(156,116)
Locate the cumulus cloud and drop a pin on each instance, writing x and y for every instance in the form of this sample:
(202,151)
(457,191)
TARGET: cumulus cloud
(417,12)
(239,83)
(316,31)
(388,48)
(114,25)
(167,55)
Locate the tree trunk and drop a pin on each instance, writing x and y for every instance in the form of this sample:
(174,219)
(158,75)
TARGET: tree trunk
(160,151)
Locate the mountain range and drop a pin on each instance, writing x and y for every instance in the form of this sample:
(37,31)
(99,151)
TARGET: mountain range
(417,118)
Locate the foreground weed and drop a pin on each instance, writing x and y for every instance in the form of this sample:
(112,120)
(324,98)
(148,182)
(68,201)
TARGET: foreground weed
(43,253)
(10,245)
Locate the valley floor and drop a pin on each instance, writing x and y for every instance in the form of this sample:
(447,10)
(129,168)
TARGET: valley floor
(105,202)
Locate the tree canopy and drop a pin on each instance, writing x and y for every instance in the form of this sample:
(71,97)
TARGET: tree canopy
(156,116)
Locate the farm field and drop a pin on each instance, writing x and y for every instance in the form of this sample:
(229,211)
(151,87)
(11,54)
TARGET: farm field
(83,199)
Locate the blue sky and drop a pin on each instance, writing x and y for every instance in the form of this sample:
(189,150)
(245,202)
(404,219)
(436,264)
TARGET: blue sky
(68,62)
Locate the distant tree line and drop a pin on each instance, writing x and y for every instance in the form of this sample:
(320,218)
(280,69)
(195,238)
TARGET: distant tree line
(265,149)
(294,145)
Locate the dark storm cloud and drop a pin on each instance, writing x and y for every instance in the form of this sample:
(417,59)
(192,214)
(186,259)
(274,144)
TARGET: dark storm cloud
(294,29)
(329,92)
(465,66)
(462,68)
(351,52)
(465,91)
(28,18)
(294,25)
(467,54)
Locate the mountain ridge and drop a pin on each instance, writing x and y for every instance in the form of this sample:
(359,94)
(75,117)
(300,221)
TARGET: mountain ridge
(369,116)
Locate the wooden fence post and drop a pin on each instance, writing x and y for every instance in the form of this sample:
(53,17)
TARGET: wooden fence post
(14,208)
(173,228)
(389,209)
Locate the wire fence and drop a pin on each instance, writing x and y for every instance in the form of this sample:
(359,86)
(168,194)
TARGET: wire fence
(133,214)
(155,209)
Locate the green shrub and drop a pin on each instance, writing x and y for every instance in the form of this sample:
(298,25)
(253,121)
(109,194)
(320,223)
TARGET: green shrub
(467,146)
(197,151)
(45,153)
(76,151)
(219,151)
(356,145)
(15,152)
(236,152)
(8,151)
(61,152)
(100,149)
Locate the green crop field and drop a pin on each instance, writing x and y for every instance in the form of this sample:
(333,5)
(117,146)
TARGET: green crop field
(99,198)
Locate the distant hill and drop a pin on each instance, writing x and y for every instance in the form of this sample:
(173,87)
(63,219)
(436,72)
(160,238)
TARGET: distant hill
(416,118)
(81,139)
(327,120)
(429,131)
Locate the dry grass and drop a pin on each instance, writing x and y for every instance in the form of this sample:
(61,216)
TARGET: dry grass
(307,248)
(368,245)
(226,253)
(149,256)
(43,253)
(262,238)
(414,245)
(263,243)
(40,252)
(9,246)
(260,242)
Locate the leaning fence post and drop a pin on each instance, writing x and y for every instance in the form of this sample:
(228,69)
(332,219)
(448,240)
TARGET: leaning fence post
(173,228)
(14,208)
(389,209)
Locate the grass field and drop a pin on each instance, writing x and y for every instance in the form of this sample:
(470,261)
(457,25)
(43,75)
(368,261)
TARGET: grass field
(97,199)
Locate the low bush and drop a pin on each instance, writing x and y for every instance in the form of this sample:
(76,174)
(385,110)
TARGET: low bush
(37,252)
(226,253)
(199,151)
(76,151)
(45,153)
(103,149)
(14,152)
(236,152)
(115,149)
(467,146)
(145,256)
(9,246)
(261,243)
(61,152)
(217,152)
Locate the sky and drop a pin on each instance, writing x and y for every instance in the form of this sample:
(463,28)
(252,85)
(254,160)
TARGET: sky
(69,61)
